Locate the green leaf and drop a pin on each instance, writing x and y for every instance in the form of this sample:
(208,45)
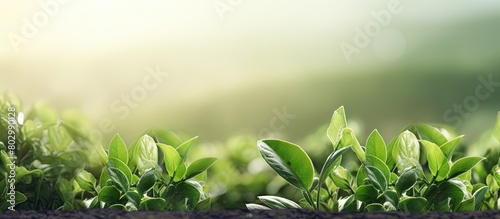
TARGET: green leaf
(496,130)
(330,164)
(173,162)
(118,207)
(183,149)
(253,207)
(431,133)
(153,204)
(375,146)
(165,137)
(448,147)
(184,196)
(392,197)
(437,162)
(289,161)
(276,202)
(118,164)
(452,189)
(463,165)
(134,198)
(406,180)
(86,181)
(118,149)
(376,177)
(375,207)
(348,138)
(109,194)
(199,166)
(413,204)
(204,204)
(479,197)
(379,164)
(104,177)
(406,151)
(361,175)
(467,205)
(337,126)
(119,179)
(59,138)
(366,194)
(147,181)
(144,154)
(342,178)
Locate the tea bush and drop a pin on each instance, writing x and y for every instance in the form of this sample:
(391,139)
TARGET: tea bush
(416,171)
(150,175)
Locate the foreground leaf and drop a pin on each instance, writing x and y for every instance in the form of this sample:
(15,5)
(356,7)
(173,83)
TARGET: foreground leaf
(289,161)
(463,165)
(276,202)
(337,126)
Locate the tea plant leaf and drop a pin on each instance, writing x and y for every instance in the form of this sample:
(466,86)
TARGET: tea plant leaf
(104,177)
(276,202)
(109,194)
(183,149)
(289,161)
(165,137)
(376,177)
(413,204)
(392,197)
(406,180)
(118,149)
(86,181)
(452,189)
(252,207)
(153,204)
(342,178)
(361,175)
(173,162)
(134,198)
(463,165)
(448,147)
(204,204)
(182,197)
(437,162)
(406,151)
(350,139)
(467,205)
(147,181)
(479,197)
(375,146)
(496,129)
(330,164)
(118,164)
(119,179)
(375,207)
(366,194)
(199,166)
(144,154)
(337,125)
(431,133)
(376,162)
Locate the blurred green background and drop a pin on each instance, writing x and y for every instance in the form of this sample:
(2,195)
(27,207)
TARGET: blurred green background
(235,67)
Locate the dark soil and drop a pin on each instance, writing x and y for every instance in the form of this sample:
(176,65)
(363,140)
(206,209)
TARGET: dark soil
(241,214)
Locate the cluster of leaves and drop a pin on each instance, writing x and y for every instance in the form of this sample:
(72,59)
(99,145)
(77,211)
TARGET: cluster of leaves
(150,175)
(417,171)
(48,152)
